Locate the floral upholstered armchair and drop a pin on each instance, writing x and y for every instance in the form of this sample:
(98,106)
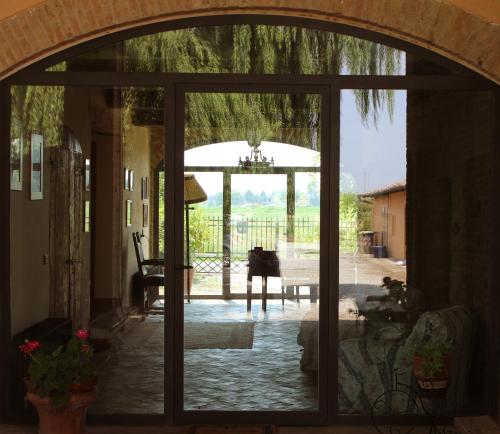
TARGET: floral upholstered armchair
(367,366)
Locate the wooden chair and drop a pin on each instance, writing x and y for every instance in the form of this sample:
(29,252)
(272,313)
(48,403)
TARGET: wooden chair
(149,276)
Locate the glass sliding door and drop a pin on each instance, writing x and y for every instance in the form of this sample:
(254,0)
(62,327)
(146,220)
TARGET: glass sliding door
(82,213)
(253,176)
(375,311)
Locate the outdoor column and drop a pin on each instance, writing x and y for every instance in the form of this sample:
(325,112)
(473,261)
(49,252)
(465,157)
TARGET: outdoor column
(226,234)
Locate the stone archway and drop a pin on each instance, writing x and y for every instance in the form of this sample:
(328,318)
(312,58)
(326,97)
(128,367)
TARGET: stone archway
(45,27)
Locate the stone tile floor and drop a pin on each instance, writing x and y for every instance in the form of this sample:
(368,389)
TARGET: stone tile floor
(266,377)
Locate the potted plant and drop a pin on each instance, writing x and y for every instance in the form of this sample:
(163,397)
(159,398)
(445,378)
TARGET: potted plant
(61,384)
(431,363)
(397,289)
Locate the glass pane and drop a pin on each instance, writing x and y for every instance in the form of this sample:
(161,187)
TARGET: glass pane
(413,247)
(247,49)
(86,156)
(252,165)
(372,244)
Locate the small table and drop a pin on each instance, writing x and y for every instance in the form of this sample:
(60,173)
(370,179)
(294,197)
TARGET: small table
(264,263)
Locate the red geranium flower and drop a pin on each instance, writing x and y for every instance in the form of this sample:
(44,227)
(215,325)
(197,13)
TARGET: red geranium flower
(29,347)
(82,334)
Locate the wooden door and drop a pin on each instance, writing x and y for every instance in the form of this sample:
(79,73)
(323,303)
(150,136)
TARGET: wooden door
(68,296)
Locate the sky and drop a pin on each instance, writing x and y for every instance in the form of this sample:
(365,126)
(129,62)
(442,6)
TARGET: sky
(371,156)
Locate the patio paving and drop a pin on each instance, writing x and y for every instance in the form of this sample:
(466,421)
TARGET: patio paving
(360,270)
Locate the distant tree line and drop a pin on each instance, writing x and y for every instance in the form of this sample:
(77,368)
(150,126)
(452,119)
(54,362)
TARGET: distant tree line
(276,198)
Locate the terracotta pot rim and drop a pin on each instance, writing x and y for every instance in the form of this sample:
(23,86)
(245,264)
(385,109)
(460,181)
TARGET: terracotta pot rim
(74,387)
(75,398)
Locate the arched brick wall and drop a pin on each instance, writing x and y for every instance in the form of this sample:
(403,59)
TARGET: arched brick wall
(53,25)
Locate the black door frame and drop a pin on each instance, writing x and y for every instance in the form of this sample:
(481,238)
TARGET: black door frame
(459,78)
(175,177)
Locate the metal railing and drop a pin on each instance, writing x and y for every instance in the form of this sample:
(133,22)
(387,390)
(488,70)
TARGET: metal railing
(269,233)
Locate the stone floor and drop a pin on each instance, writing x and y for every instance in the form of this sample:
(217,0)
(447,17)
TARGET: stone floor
(265,377)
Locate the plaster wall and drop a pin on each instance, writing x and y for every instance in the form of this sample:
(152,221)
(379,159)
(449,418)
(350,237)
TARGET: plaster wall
(393,222)
(29,242)
(136,157)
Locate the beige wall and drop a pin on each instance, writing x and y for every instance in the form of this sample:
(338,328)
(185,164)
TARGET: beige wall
(29,241)
(104,158)
(136,157)
(393,222)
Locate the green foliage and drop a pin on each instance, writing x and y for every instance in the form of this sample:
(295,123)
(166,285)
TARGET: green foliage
(365,207)
(37,109)
(397,289)
(51,375)
(200,231)
(433,352)
(259,49)
(348,222)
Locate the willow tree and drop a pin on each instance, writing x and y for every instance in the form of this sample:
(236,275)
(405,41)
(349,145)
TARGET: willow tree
(260,49)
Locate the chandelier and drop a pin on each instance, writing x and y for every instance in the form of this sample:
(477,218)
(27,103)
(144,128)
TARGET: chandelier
(255,160)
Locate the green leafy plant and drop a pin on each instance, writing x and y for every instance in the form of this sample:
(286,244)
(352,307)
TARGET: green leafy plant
(200,232)
(54,375)
(430,357)
(397,289)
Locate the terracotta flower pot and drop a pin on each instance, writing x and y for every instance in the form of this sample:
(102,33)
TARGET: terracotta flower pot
(69,419)
(438,381)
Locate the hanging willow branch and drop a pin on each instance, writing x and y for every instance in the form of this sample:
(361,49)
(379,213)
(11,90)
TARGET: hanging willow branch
(263,49)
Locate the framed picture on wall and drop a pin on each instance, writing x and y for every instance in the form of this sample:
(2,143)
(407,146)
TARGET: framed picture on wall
(128,213)
(87,174)
(145,215)
(86,216)
(16,164)
(126,179)
(144,188)
(131,180)
(36,172)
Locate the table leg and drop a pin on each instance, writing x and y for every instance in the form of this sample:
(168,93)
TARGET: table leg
(298,293)
(283,296)
(249,296)
(264,293)
(313,294)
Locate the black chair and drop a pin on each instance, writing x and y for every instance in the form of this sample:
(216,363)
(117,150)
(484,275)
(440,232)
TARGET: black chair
(150,274)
